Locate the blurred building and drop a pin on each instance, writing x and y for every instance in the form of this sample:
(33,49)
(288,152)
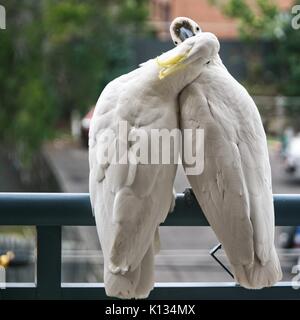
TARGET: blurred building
(162,12)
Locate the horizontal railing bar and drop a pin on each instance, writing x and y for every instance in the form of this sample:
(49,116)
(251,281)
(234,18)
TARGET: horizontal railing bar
(207,284)
(78,285)
(45,209)
(53,209)
(22,285)
(167,292)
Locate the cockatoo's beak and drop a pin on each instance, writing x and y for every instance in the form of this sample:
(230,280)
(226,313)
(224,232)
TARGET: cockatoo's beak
(172,64)
(185,33)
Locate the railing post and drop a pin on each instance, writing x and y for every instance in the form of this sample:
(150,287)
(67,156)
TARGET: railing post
(48,274)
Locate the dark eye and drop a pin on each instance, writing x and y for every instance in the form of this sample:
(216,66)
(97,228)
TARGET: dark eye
(176,43)
(197,28)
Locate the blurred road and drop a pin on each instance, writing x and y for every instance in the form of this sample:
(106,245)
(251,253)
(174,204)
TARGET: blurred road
(184,250)
(9,181)
(70,165)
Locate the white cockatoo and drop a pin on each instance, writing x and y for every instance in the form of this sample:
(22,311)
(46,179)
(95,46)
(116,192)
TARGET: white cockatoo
(130,200)
(234,189)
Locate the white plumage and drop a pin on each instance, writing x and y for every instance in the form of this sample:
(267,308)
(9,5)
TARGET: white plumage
(131,200)
(234,189)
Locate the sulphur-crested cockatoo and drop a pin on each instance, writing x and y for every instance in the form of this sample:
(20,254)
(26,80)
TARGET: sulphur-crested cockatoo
(131,198)
(234,189)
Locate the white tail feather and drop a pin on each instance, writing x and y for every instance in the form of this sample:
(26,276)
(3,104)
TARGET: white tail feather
(256,275)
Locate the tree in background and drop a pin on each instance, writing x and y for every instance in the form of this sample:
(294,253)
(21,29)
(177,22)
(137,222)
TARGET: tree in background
(56,56)
(88,44)
(261,20)
(264,21)
(26,111)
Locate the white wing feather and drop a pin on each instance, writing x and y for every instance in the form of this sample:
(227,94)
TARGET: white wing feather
(129,200)
(234,189)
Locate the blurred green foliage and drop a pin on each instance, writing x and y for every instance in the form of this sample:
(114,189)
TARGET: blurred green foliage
(264,21)
(56,56)
(259,21)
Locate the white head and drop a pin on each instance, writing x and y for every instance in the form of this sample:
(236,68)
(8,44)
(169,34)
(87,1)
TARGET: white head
(195,51)
(182,28)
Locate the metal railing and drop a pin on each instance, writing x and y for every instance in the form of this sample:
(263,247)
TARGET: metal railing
(49,212)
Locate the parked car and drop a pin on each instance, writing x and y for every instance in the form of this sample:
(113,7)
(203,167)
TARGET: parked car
(85,127)
(292,157)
